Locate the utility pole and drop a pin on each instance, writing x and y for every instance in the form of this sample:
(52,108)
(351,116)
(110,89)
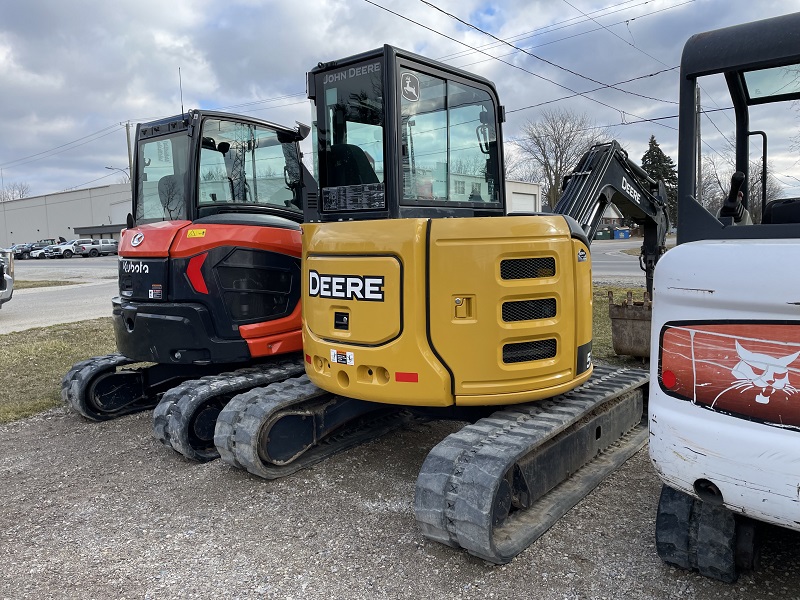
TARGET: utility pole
(130,155)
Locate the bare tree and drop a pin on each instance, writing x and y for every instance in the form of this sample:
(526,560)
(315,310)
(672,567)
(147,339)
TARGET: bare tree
(717,173)
(555,144)
(519,167)
(14,191)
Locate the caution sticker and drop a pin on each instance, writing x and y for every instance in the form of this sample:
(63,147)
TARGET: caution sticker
(196,233)
(343,358)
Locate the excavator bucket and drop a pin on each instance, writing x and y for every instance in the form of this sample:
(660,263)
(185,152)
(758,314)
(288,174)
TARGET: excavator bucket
(630,325)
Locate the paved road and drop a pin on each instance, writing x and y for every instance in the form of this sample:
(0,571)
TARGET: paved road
(89,298)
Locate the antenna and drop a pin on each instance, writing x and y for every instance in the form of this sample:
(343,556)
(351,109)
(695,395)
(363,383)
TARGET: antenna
(180,86)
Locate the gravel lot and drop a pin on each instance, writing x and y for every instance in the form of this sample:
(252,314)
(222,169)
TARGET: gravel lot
(102,510)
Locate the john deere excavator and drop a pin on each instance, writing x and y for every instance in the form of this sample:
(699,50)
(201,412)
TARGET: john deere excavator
(209,276)
(422,298)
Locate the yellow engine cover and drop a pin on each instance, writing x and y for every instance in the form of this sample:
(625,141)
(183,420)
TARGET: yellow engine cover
(435,312)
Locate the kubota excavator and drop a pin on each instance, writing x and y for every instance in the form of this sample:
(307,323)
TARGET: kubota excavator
(422,297)
(209,276)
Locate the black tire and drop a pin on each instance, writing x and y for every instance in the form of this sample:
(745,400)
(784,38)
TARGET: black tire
(696,535)
(94,253)
(67,254)
(26,255)
(41,256)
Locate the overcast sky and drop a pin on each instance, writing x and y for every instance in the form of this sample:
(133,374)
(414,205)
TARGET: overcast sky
(73,72)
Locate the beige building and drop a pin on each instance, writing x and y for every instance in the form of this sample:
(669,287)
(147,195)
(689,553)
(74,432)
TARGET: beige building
(98,212)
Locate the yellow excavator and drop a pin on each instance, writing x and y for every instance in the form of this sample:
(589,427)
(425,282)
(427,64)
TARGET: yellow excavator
(422,298)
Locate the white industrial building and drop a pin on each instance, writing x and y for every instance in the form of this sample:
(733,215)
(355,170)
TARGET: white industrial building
(98,212)
(101,212)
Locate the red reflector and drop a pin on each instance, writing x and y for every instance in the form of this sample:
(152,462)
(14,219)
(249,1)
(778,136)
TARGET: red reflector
(195,275)
(669,379)
(406,377)
(308,358)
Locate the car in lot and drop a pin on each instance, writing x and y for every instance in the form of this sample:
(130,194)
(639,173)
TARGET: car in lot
(98,247)
(23,251)
(66,249)
(39,252)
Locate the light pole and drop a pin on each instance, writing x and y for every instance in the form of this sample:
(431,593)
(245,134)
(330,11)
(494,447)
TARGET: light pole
(124,171)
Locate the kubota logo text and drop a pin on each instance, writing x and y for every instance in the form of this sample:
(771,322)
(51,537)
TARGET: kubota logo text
(345,287)
(130,266)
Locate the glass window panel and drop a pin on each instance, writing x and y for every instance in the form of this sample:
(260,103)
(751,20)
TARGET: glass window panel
(424,136)
(473,142)
(777,81)
(246,164)
(162,172)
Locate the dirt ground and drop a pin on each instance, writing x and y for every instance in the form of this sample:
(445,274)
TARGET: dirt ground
(102,510)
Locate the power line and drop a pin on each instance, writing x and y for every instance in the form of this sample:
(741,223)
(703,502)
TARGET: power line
(569,37)
(544,60)
(613,33)
(549,29)
(25,159)
(505,62)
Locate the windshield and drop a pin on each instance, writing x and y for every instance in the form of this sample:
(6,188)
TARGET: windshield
(242,163)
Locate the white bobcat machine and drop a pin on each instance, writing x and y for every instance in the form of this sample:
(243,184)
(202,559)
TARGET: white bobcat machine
(724,404)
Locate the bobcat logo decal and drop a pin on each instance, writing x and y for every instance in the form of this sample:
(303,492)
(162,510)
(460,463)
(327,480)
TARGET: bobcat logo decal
(741,369)
(761,371)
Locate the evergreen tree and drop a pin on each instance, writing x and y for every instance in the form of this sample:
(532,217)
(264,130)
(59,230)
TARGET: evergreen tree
(660,166)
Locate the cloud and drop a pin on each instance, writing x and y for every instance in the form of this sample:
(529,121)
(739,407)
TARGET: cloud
(73,73)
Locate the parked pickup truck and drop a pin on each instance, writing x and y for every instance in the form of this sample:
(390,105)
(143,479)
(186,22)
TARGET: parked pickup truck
(98,247)
(6,275)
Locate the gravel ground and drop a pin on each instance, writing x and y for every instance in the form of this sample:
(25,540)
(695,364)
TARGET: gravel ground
(102,510)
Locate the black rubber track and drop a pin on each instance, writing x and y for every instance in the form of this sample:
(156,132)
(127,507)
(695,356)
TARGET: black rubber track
(696,535)
(462,478)
(173,418)
(240,424)
(75,383)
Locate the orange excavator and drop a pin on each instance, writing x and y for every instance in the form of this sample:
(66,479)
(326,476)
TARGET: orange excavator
(209,276)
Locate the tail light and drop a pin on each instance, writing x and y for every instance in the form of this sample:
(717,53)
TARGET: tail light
(194,272)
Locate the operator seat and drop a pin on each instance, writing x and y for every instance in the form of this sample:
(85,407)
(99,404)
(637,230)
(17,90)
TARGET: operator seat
(784,210)
(348,165)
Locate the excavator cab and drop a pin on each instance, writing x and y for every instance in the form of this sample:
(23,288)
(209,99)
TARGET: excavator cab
(400,136)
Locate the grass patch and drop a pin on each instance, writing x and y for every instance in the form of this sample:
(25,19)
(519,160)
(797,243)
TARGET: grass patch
(34,361)
(26,285)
